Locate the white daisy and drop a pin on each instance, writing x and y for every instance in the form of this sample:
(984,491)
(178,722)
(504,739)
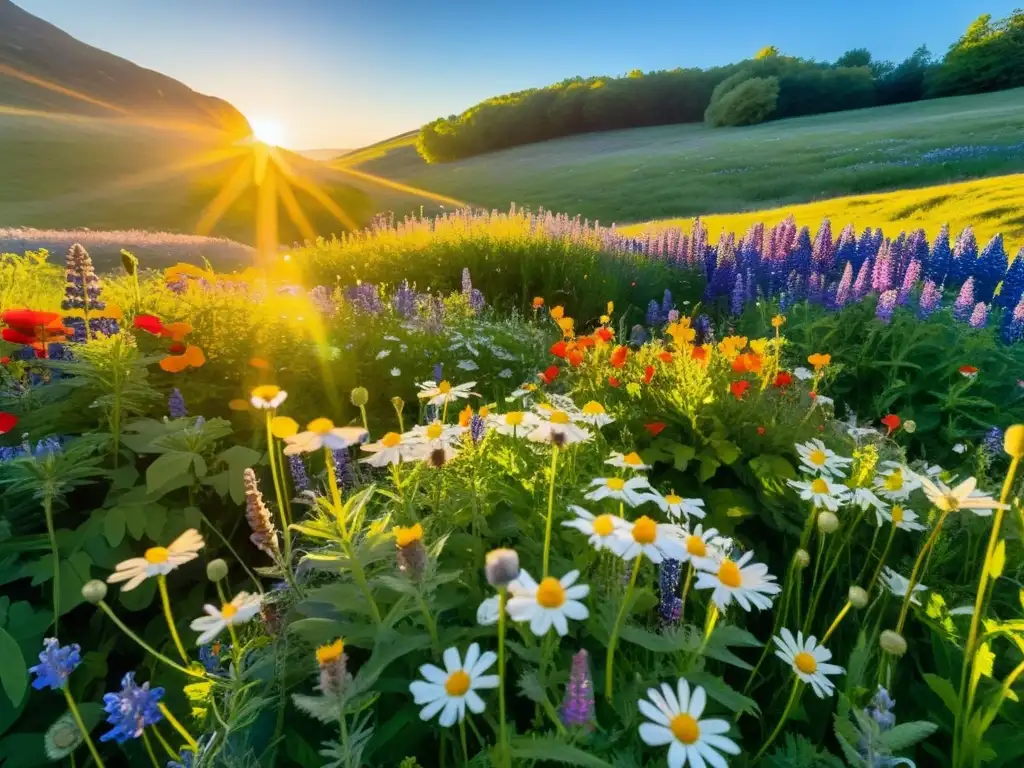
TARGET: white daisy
(559,430)
(897,584)
(452,689)
(815,457)
(396,371)
(705,548)
(515,423)
(157,561)
(467,365)
(240,610)
(594,414)
(675,720)
(393,449)
(749,584)
(658,541)
(822,492)
(803,374)
(964,496)
(631,491)
(487,612)
(676,505)
(864,498)
(552,602)
(601,529)
(440,394)
(808,660)
(321,433)
(627,461)
(267,397)
(391,338)
(383,353)
(904,519)
(435,434)
(896,481)
(523,391)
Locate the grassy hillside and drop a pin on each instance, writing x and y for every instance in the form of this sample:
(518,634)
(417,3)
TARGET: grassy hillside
(688,170)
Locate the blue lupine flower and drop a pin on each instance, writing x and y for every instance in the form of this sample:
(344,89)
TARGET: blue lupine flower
(365,298)
(705,333)
(300,477)
(816,288)
(1013,284)
(131,709)
(931,295)
(801,255)
(862,285)
(844,288)
(992,445)
(886,305)
(910,279)
(964,304)
(343,467)
(990,268)
(438,372)
(404,301)
(186,759)
(176,405)
(578,704)
(666,303)
(846,247)
(979,315)
(1013,325)
(671,605)
(881,710)
(476,428)
(56,663)
(476,301)
(653,314)
(938,263)
(738,297)
(965,253)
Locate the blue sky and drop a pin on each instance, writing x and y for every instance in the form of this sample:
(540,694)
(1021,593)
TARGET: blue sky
(343,73)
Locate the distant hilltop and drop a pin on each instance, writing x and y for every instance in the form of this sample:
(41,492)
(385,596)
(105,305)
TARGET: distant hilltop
(42,68)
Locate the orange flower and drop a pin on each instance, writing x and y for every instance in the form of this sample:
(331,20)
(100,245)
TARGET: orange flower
(558,312)
(782,380)
(778,320)
(655,428)
(576,358)
(538,302)
(605,334)
(700,354)
(739,388)
(747,363)
(761,431)
(259,364)
(618,357)
(892,422)
(549,375)
(665,357)
(239,404)
(584,342)
(465,415)
(559,349)
(178,331)
(194,356)
(819,360)
(612,381)
(648,374)
(968,371)
(177,348)
(174,363)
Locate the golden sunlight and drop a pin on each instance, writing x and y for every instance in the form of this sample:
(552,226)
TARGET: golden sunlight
(268,131)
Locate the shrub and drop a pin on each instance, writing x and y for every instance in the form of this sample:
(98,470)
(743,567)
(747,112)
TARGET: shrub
(750,102)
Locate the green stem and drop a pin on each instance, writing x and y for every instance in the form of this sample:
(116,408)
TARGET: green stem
(619,620)
(343,728)
(503,749)
(236,649)
(52,533)
(163,742)
(429,619)
(793,697)
(932,538)
(281,510)
(73,708)
(227,544)
(360,576)
(178,727)
(882,559)
(462,738)
(814,581)
(551,509)
(148,648)
(161,583)
(780,615)
(149,749)
(835,623)
(709,627)
(686,592)
(867,559)
(366,424)
(332,481)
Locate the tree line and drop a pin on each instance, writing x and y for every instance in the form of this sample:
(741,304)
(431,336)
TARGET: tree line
(989,56)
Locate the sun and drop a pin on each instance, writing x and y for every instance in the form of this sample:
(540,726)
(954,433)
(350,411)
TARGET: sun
(268,131)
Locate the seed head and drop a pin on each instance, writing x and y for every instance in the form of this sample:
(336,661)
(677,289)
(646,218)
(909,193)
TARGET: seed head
(216,570)
(94,591)
(801,559)
(360,397)
(858,597)
(501,567)
(893,642)
(827,522)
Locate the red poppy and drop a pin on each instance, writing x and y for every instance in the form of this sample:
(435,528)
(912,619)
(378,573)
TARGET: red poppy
(613,381)
(605,334)
(655,427)
(700,354)
(618,357)
(782,380)
(550,374)
(648,374)
(149,324)
(761,431)
(968,371)
(4,360)
(27,320)
(892,422)
(813,395)
(17,337)
(559,349)
(576,358)
(7,422)
(665,357)
(585,341)
(739,388)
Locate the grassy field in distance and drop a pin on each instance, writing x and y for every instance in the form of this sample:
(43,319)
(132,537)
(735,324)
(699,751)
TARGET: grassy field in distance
(688,170)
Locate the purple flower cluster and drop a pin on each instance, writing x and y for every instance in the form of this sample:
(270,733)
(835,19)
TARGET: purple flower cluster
(176,405)
(365,298)
(671,606)
(578,705)
(56,663)
(300,477)
(82,290)
(131,709)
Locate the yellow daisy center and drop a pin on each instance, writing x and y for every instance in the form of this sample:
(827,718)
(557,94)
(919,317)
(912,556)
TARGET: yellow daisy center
(444,387)
(391,439)
(457,683)
(320,426)
(805,663)
(604,525)
(894,482)
(327,654)
(819,486)
(157,555)
(266,392)
(434,432)
(685,728)
(673,499)
(559,417)
(593,408)
(695,546)
(228,611)
(817,457)
(615,483)
(897,515)
(514,419)
(550,593)
(632,459)
(645,530)
(729,574)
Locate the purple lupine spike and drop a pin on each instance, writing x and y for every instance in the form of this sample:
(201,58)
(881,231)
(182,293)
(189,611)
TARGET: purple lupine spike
(937,263)
(979,315)
(705,331)
(816,288)
(886,305)
(476,301)
(653,314)
(578,704)
(862,285)
(821,253)
(300,478)
(322,298)
(404,301)
(965,253)
(844,288)
(176,405)
(931,295)
(477,426)
(738,297)
(909,281)
(467,283)
(992,445)
(1012,330)
(964,304)
(990,268)
(666,303)
(670,607)
(881,275)
(1013,284)
(343,467)
(438,372)
(898,254)
(801,254)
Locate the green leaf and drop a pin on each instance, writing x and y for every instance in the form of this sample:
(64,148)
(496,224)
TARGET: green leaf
(998,561)
(682,455)
(723,693)
(770,466)
(726,451)
(907,734)
(551,749)
(13,670)
(944,690)
(114,525)
(238,458)
(708,466)
(529,686)
(388,647)
(155,520)
(168,469)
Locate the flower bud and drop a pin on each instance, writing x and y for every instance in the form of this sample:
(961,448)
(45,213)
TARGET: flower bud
(1013,441)
(398,403)
(94,591)
(501,566)
(827,522)
(858,597)
(910,426)
(893,642)
(360,396)
(801,559)
(216,570)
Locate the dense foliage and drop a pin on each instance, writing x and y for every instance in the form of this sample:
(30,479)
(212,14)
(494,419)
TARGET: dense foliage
(986,58)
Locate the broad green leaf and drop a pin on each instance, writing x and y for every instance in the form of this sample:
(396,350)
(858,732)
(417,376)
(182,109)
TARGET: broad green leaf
(907,734)
(682,455)
(169,469)
(726,451)
(998,561)
(770,466)
(551,749)
(114,525)
(387,648)
(670,641)
(724,694)
(708,466)
(155,520)
(13,670)
(944,690)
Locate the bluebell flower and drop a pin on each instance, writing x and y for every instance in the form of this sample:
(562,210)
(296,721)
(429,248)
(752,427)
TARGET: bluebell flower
(131,709)
(56,663)
(176,405)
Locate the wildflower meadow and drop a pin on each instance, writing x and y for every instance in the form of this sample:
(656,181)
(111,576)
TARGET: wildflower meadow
(514,489)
